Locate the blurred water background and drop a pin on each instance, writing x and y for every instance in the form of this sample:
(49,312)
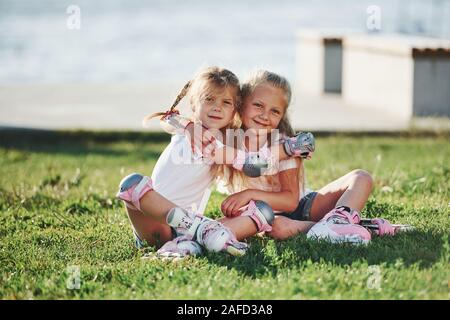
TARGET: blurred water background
(165,41)
(131,57)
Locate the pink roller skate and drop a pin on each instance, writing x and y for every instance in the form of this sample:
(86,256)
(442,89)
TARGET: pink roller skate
(340,226)
(382,227)
(179,248)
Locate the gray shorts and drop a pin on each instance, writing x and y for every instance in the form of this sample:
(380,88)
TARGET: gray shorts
(303,210)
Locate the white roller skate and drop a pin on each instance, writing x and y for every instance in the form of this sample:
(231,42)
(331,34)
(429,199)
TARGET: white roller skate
(179,248)
(211,234)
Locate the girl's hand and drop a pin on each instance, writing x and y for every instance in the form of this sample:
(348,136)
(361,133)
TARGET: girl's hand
(200,138)
(231,205)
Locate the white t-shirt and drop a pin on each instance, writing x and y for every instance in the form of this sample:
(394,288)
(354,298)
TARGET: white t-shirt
(181,177)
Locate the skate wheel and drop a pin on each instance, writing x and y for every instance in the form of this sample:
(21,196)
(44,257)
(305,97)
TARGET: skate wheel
(237,252)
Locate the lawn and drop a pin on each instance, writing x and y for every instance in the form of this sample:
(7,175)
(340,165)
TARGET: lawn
(60,220)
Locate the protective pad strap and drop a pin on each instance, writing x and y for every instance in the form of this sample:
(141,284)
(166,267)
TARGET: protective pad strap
(355,217)
(384,227)
(256,215)
(135,193)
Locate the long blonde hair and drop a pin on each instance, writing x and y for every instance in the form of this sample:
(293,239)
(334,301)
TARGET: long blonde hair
(257,78)
(205,80)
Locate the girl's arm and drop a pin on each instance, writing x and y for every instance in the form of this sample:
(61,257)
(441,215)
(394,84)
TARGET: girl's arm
(285,200)
(302,145)
(252,164)
(173,123)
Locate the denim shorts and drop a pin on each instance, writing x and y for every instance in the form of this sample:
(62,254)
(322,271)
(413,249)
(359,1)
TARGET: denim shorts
(303,210)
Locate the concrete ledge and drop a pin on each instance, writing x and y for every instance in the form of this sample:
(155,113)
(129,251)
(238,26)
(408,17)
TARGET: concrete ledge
(403,76)
(319,60)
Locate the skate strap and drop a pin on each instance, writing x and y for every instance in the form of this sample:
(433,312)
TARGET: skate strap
(194,226)
(384,227)
(353,217)
(253,212)
(139,190)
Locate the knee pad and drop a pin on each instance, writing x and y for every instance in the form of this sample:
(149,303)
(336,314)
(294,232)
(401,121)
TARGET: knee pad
(262,214)
(132,188)
(251,164)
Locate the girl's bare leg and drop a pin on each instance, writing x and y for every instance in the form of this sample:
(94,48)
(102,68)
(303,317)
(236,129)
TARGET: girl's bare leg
(148,229)
(351,190)
(284,228)
(242,227)
(150,224)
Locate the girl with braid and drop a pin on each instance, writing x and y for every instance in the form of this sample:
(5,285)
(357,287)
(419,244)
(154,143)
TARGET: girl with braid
(164,209)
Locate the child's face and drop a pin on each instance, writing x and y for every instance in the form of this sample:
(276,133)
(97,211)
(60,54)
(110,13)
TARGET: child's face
(216,108)
(264,108)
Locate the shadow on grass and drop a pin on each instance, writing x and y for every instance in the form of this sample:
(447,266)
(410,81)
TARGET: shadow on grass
(77,143)
(267,256)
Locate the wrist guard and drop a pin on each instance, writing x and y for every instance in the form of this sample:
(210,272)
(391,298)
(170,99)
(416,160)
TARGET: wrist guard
(302,145)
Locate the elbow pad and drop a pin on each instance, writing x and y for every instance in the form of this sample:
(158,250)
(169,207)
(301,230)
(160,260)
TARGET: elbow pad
(301,145)
(253,165)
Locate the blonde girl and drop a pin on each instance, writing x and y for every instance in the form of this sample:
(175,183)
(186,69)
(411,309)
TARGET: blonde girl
(266,97)
(165,209)
(179,181)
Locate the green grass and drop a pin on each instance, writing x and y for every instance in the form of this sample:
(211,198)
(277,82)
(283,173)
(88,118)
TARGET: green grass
(58,210)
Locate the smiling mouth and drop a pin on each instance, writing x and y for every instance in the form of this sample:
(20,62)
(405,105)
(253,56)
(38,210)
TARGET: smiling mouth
(260,124)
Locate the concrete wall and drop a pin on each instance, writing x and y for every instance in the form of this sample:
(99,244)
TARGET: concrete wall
(319,61)
(431,87)
(399,75)
(374,80)
(333,66)
(310,66)
(405,76)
